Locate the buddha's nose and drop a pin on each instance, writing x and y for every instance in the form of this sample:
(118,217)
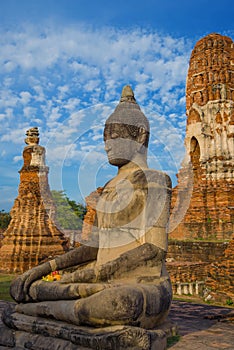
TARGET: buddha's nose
(107,146)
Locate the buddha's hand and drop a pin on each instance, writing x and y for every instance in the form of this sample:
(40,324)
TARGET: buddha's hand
(20,286)
(19,289)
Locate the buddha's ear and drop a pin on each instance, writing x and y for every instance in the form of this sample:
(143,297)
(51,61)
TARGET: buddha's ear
(142,135)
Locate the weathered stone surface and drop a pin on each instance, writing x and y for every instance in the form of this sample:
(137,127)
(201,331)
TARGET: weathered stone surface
(207,170)
(7,338)
(39,333)
(32,235)
(199,326)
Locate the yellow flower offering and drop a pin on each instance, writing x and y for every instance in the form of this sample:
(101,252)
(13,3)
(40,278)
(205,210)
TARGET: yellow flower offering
(53,276)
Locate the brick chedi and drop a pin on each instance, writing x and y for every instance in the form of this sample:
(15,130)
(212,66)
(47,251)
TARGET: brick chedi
(203,201)
(31,235)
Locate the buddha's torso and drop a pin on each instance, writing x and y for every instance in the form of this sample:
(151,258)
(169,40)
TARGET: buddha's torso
(129,212)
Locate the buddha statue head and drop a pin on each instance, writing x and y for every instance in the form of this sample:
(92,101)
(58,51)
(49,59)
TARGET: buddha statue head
(126,133)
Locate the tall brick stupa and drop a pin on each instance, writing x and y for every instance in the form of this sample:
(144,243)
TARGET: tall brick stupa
(31,235)
(203,200)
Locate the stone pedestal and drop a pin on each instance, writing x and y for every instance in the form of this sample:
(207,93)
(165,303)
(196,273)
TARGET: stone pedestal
(35,333)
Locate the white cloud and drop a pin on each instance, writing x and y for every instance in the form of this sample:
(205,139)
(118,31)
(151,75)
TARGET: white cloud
(8,98)
(63,90)
(30,112)
(71,104)
(16,159)
(15,136)
(25,97)
(40,96)
(67,80)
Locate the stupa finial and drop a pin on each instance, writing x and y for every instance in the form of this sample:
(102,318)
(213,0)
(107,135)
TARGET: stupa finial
(127,94)
(32,136)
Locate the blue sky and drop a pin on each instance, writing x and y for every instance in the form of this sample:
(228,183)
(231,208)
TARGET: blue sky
(63,65)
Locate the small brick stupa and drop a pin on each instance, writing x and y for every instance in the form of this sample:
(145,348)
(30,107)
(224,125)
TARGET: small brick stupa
(31,235)
(203,201)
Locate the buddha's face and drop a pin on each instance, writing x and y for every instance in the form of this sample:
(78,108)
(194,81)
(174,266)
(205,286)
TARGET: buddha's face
(121,143)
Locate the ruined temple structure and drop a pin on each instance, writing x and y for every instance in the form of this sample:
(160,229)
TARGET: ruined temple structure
(204,196)
(220,280)
(91,203)
(31,235)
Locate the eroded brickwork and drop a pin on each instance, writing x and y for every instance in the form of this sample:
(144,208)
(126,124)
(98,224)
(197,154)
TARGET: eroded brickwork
(89,219)
(207,170)
(191,261)
(187,272)
(221,275)
(193,252)
(31,235)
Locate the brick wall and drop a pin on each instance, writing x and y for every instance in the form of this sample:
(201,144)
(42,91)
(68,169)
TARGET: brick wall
(199,251)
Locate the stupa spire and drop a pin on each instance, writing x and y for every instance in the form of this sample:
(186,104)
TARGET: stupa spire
(127,94)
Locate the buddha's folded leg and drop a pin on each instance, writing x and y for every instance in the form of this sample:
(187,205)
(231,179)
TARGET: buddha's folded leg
(43,291)
(63,310)
(112,306)
(136,305)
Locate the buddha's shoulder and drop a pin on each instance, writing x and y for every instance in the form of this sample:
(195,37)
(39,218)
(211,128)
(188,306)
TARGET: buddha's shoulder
(150,176)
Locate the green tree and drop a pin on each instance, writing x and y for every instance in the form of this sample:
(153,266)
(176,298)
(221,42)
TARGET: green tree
(4,219)
(69,214)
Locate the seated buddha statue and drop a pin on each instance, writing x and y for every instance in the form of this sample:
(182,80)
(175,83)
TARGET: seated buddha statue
(118,276)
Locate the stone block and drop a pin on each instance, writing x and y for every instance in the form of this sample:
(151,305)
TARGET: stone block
(38,333)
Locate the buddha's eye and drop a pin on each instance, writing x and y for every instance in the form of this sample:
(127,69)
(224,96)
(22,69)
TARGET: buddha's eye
(114,135)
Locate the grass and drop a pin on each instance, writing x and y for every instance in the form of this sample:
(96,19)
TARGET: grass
(200,239)
(172,340)
(199,300)
(5,281)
